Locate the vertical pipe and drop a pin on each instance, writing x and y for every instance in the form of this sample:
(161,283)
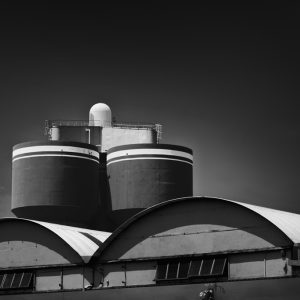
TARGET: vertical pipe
(88,130)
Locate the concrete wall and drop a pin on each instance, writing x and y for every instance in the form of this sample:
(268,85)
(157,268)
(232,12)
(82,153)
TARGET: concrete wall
(113,136)
(275,289)
(240,266)
(128,274)
(107,137)
(259,265)
(83,134)
(114,275)
(140,274)
(63,278)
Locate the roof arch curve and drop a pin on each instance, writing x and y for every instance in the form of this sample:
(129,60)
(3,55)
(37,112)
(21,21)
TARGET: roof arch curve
(285,223)
(84,242)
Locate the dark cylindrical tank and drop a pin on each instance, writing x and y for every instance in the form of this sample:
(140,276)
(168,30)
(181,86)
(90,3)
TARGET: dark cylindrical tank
(56,182)
(142,175)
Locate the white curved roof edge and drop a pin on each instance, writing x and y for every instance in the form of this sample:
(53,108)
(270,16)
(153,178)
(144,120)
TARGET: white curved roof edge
(74,237)
(287,222)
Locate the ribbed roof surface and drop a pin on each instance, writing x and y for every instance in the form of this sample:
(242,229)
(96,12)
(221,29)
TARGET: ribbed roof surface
(288,223)
(78,238)
(83,241)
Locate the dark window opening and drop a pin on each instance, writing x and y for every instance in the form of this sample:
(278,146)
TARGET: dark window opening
(18,280)
(8,281)
(183,269)
(193,268)
(1,279)
(172,270)
(26,280)
(207,266)
(161,271)
(219,266)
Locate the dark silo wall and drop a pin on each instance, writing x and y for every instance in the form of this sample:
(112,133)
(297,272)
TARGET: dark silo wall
(56,182)
(146,174)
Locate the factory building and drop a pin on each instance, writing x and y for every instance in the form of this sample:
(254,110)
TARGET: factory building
(106,211)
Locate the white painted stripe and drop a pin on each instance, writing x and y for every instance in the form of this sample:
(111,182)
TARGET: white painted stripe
(137,158)
(55,148)
(60,155)
(149,151)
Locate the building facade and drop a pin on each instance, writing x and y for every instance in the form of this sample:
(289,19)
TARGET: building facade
(121,222)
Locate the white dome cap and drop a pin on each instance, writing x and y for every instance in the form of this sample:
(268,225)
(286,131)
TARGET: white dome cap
(100,115)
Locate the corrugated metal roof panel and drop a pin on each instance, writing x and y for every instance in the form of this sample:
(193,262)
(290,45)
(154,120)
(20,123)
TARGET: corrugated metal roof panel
(288,223)
(75,237)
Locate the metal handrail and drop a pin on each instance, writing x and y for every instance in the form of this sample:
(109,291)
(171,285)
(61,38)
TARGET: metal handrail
(57,123)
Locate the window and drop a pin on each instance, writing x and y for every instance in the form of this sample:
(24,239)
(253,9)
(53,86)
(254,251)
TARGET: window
(189,268)
(20,280)
(172,270)
(218,266)
(183,269)
(161,271)
(195,267)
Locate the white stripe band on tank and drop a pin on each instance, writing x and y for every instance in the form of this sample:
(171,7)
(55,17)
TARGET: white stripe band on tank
(143,158)
(60,155)
(149,151)
(55,148)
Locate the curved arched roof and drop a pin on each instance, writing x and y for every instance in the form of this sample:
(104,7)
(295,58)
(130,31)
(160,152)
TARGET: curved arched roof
(288,223)
(83,241)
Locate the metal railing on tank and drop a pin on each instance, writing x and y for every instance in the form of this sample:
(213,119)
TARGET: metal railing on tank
(84,123)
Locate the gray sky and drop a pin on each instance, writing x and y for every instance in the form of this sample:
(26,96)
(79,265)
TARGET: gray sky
(221,80)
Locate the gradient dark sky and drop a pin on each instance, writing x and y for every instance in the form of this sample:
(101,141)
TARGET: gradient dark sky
(221,80)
